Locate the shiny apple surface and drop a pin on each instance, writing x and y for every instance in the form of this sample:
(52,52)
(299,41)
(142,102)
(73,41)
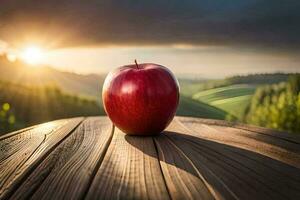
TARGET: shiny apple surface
(141,99)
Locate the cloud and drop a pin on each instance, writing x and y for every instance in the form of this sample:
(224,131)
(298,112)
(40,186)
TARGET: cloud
(272,24)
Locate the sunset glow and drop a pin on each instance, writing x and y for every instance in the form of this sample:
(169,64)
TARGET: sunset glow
(32,55)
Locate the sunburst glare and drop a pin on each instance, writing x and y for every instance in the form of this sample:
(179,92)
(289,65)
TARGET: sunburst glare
(32,55)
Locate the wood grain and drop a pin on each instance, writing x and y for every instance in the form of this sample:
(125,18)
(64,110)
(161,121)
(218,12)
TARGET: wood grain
(245,174)
(20,153)
(193,159)
(182,178)
(68,171)
(282,150)
(261,130)
(7,135)
(130,170)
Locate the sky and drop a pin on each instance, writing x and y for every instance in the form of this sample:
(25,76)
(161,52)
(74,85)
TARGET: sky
(209,38)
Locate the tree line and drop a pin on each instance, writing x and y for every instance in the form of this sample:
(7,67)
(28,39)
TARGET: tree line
(24,105)
(276,106)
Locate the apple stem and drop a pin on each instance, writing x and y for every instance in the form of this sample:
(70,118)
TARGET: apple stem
(137,66)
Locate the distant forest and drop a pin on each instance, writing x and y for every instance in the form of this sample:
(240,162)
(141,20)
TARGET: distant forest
(276,106)
(256,79)
(23,105)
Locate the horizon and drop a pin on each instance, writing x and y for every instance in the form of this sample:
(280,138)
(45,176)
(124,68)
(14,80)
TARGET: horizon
(201,60)
(190,76)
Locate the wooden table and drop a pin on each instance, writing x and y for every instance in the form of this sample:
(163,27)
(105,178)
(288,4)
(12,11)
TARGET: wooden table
(87,158)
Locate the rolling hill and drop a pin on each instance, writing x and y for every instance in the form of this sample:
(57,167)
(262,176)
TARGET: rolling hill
(193,108)
(232,94)
(233,99)
(19,72)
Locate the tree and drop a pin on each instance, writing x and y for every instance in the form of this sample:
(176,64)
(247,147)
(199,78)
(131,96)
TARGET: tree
(277,106)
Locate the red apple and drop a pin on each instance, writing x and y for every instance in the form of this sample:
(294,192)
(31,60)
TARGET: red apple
(141,99)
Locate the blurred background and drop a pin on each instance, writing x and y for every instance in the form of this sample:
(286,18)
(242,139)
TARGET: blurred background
(235,60)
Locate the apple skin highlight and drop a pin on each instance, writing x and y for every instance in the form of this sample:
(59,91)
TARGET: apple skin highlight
(141,99)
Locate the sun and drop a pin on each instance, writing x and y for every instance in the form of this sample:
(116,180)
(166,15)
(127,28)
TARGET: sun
(32,55)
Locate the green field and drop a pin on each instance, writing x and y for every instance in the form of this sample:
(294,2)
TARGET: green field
(190,107)
(232,99)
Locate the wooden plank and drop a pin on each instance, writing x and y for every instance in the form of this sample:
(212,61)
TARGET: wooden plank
(235,170)
(130,170)
(22,152)
(276,148)
(182,178)
(271,132)
(5,136)
(17,148)
(278,175)
(68,171)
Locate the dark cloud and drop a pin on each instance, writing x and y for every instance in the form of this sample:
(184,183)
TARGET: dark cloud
(251,23)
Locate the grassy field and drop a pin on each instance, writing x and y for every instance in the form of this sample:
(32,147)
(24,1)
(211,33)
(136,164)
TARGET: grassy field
(190,107)
(233,99)
(235,105)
